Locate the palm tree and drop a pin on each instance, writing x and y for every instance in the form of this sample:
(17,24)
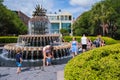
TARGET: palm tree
(39,11)
(101,14)
(40,20)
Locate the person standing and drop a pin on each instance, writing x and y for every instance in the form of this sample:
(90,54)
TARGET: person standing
(18,60)
(89,44)
(74,47)
(84,42)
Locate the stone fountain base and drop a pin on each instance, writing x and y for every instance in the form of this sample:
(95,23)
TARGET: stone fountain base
(31,50)
(35,53)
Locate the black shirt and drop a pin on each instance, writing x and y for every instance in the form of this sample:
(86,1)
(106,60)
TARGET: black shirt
(18,56)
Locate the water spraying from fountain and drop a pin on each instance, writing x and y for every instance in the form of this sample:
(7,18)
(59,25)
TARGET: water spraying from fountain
(33,43)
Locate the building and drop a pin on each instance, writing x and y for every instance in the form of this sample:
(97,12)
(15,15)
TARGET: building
(23,17)
(61,20)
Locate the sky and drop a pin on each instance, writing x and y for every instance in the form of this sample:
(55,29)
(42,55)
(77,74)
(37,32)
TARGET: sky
(75,7)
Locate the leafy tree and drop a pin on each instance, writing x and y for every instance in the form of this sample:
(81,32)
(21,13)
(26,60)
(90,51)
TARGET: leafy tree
(64,32)
(103,18)
(82,24)
(102,14)
(1,2)
(106,16)
(10,22)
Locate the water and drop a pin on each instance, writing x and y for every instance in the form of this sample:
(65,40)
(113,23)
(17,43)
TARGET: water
(32,44)
(11,62)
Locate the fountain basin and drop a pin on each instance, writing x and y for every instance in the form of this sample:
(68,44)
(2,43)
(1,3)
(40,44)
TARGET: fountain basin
(34,53)
(32,56)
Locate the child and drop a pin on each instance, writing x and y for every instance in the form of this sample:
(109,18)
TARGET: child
(47,55)
(48,59)
(18,60)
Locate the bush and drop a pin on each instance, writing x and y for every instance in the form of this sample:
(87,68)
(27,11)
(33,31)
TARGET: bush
(107,40)
(8,39)
(98,64)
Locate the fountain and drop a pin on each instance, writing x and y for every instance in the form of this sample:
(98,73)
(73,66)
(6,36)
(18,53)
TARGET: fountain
(33,43)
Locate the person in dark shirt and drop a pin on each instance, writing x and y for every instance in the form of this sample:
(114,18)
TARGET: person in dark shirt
(18,60)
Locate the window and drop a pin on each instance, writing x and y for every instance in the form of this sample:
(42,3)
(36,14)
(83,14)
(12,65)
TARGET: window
(67,26)
(62,18)
(54,27)
(66,18)
(70,18)
(57,17)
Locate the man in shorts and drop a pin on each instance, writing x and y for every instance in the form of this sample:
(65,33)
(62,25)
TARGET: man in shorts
(84,43)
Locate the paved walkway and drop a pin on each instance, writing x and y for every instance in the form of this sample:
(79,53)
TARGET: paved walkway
(60,75)
(54,72)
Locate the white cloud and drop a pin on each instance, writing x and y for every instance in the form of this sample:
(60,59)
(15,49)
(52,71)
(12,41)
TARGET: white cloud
(83,3)
(76,7)
(76,11)
(27,6)
(81,6)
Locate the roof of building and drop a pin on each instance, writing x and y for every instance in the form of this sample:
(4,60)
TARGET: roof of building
(65,13)
(60,13)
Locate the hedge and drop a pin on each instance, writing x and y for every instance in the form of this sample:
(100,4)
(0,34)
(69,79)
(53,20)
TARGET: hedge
(98,64)
(8,39)
(13,39)
(107,40)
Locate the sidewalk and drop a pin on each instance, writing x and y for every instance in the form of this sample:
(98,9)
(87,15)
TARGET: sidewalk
(54,72)
(60,75)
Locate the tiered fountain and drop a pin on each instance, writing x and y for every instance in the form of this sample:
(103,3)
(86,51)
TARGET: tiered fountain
(38,37)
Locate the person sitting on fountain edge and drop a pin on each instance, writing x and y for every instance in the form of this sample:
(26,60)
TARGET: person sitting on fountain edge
(47,55)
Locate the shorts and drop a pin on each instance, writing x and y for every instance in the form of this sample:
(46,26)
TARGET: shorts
(49,60)
(18,64)
(84,46)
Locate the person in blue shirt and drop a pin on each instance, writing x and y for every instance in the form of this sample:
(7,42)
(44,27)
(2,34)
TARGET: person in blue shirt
(74,47)
(18,60)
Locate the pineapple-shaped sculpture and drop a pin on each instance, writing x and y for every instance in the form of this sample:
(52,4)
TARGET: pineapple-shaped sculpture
(39,24)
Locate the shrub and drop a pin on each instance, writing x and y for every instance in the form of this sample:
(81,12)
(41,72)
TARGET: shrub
(8,39)
(98,64)
(107,40)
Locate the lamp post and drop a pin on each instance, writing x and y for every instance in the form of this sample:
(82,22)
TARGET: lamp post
(60,27)
(60,18)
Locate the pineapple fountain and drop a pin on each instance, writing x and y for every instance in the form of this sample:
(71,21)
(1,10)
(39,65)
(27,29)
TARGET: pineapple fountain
(32,44)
